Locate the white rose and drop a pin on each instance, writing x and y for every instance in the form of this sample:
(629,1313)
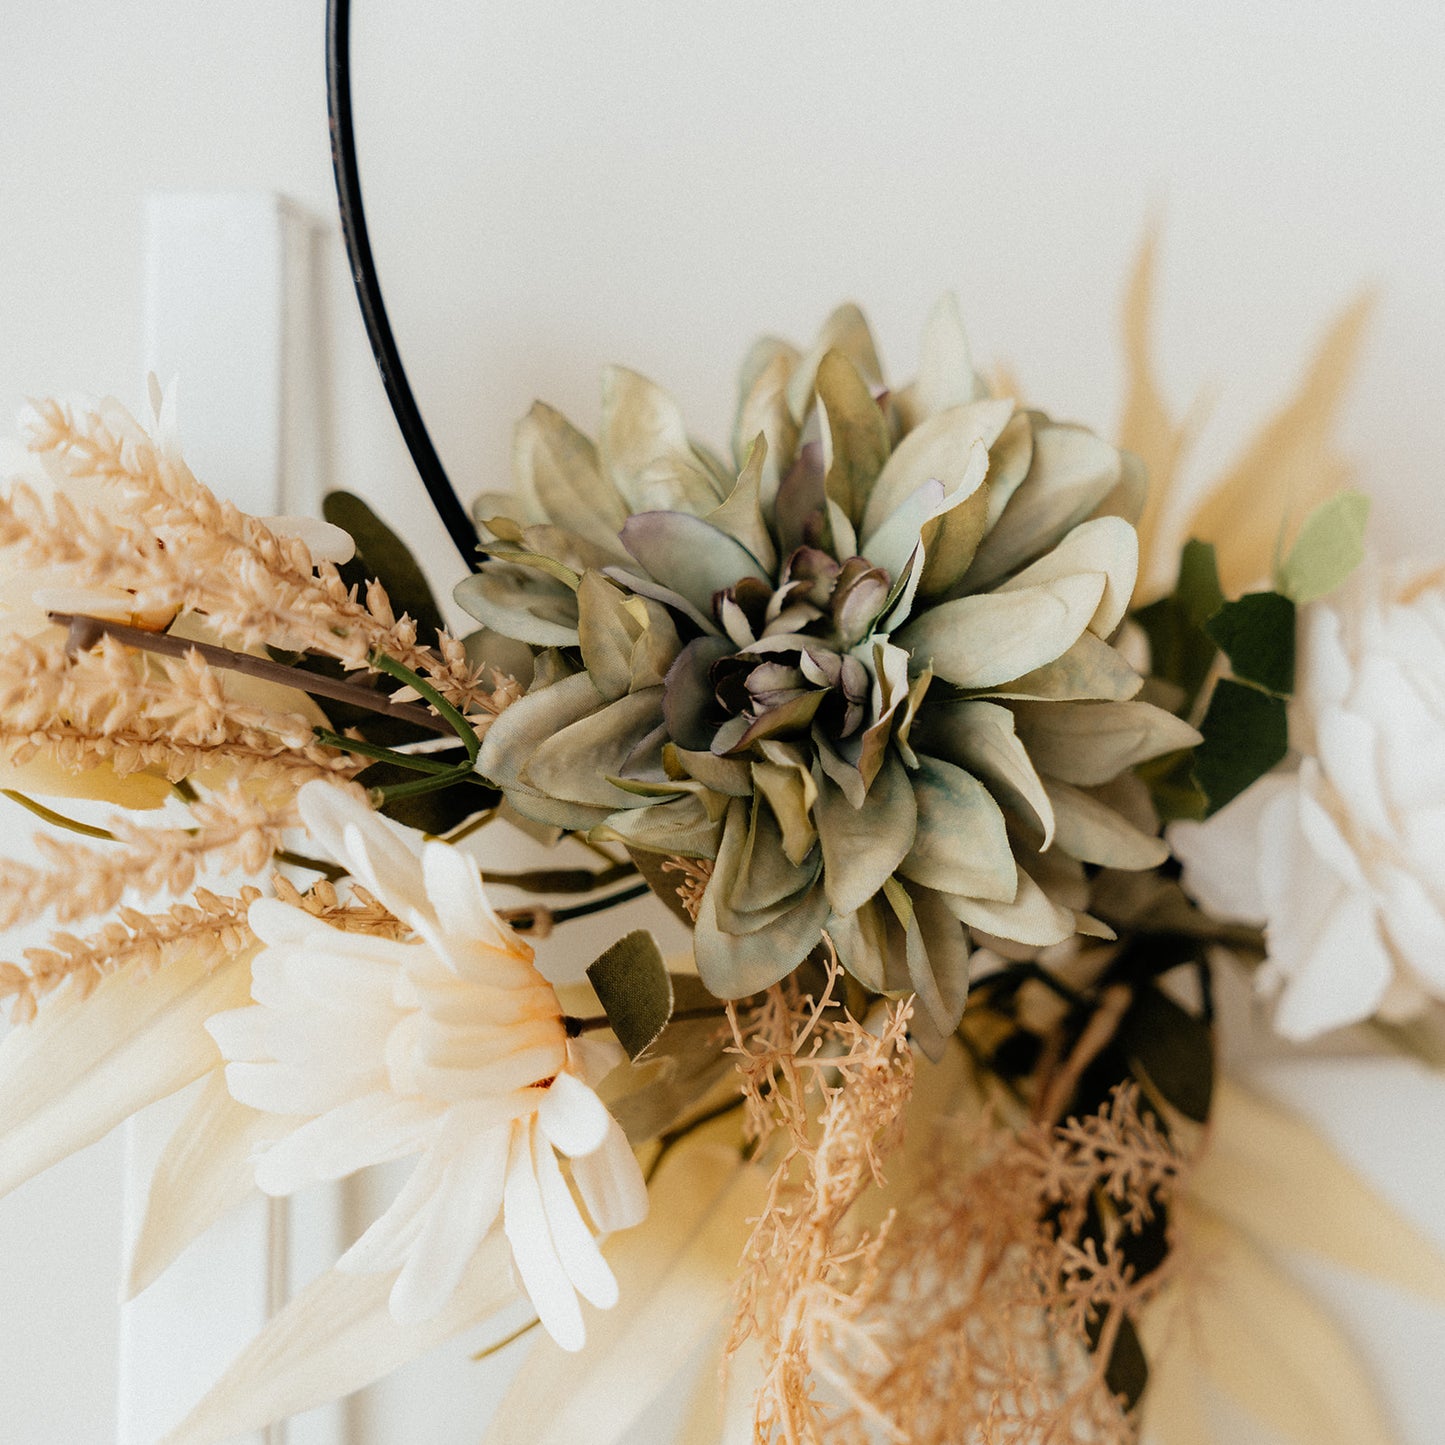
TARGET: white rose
(1340,854)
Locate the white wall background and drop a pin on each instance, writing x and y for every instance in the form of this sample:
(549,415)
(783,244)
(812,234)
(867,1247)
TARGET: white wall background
(553,186)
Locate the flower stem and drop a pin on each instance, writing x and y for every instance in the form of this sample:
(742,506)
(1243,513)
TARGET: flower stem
(58,820)
(412,761)
(88,830)
(463,729)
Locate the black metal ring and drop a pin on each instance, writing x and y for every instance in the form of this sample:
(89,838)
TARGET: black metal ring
(368,288)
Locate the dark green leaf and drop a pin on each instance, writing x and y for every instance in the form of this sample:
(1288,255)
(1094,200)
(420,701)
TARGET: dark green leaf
(687,1061)
(632,982)
(1127,1372)
(1246,732)
(1198,590)
(1172,787)
(1257,634)
(1182,652)
(385,557)
(1171,1049)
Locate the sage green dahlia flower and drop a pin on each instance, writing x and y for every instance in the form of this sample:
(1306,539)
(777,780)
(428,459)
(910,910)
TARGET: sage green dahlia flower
(868,675)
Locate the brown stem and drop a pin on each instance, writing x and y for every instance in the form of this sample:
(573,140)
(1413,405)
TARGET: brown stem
(85,632)
(1097,1035)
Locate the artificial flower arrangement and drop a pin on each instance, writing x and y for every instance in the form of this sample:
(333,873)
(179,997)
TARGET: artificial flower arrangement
(925,1140)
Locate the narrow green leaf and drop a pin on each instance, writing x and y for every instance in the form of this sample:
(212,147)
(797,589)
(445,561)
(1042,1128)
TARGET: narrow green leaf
(1329,547)
(1257,635)
(387,558)
(633,984)
(1246,732)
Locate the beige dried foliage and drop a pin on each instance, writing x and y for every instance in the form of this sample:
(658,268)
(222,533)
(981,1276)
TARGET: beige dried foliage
(178,547)
(110,704)
(991,1281)
(828,1097)
(1148,428)
(1292,464)
(208,928)
(232,829)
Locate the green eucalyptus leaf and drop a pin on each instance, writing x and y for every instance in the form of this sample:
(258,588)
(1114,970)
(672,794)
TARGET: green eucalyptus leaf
(387,558)
(1257,634)
(1181,651)
(1246,732)
(1127,1373)
(1330,545)
(632,983)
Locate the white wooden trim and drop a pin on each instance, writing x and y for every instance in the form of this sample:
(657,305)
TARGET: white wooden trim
(228,311)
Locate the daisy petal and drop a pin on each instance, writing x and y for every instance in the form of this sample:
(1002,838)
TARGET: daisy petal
(533,1251)
(572,1116)
(575,1246)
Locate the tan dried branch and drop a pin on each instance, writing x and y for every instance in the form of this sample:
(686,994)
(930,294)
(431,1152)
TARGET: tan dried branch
(232,829)
(833,1094)
(176,546)
(110,705)
(999,1294)
(210,928)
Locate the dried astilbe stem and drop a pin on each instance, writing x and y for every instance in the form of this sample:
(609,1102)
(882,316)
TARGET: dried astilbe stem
(999,1294)
(231,829)
(174,716)
(177,546)
(833,1095)
(209,928)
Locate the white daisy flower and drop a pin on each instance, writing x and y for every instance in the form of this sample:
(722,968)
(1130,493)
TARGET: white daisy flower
(451,1047)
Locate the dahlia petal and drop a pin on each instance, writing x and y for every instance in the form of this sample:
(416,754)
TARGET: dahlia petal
(611,1184)
(459,902)
(387,1240)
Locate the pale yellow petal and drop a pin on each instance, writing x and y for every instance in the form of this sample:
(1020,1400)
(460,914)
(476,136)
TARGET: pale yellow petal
(676,1275)
(86,1064)
(1271,1175)
(1290,466)
(1174,1404)
(43,776)
(205,1169)
(718,1415)
(1270,1348)
(337,1335)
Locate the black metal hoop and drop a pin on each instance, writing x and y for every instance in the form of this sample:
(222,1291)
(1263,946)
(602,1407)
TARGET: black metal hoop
(368,287)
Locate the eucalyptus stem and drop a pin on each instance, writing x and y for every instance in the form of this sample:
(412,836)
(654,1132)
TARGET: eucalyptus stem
(413,761)
(85,632)
(329,871)
(600,905)
(463,729)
